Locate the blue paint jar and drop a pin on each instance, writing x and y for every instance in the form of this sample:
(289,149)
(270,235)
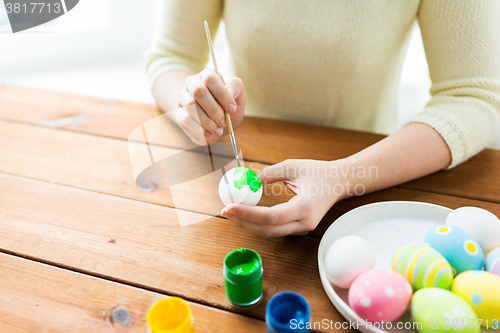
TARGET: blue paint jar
(288,312)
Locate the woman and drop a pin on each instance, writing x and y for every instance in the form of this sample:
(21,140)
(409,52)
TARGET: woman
(334,63)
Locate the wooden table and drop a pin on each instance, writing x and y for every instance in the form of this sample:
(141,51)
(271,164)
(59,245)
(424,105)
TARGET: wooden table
(85,250)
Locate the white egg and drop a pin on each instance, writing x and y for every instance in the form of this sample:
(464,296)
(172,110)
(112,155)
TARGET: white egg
(481,224)
(240,185)
(347,258)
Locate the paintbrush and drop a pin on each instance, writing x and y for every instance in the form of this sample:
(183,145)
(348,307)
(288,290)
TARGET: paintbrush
(228,119)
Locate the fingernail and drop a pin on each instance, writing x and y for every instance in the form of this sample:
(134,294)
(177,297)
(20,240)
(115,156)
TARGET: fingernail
(226,212)
(231,107)
(223,122)
(231,91)
(207,134)
(218,131)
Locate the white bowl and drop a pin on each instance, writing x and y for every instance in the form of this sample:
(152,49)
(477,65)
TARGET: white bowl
(387,226)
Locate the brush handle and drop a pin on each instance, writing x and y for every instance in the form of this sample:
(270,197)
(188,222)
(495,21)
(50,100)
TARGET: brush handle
(209,39)
(229,124)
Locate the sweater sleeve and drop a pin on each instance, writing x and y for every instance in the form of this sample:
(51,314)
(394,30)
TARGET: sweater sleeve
(180,42)
(462,45)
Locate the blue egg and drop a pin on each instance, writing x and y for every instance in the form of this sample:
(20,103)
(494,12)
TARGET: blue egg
(457,246)
(492,263)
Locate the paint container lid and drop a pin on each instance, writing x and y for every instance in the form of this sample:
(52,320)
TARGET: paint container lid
(242,266)
(285,311)
(170,315)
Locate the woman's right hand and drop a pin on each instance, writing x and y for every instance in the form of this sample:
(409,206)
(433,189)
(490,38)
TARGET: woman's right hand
(203,99)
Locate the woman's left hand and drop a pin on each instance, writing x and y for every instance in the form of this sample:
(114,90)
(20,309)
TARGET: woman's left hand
(317,186)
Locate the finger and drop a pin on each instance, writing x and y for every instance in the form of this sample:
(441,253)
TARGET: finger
(278,214)
(204,98)
(197,113)
(219,91)
(185,119)
(303,233)
(275,173)
(192,110)
(185,98)
(236,88)
(206,124)
(292,187)
(267,230)
(196,138)
(192,128)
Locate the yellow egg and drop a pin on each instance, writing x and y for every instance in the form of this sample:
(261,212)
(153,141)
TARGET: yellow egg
(482,291)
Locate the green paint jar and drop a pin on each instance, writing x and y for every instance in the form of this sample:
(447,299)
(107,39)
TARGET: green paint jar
(243,278)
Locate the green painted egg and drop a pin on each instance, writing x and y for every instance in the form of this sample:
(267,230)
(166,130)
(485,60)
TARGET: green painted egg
(436,310)
(423,267)
(482,291)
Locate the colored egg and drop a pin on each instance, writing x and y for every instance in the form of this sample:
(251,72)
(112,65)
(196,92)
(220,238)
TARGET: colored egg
(458,247)
(423,267)
(240,185)
(436,310)
(380,295)
(347,258)
(493,262)
(481,224)
(482,291)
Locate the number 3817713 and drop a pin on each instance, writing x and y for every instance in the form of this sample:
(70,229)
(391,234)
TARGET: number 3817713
(33,8)
(461,324)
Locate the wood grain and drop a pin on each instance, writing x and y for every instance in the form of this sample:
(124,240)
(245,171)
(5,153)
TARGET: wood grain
(263,140)
(36,297)
(103,165)
(57,158)
(67,202)
(143,245)
(88,114)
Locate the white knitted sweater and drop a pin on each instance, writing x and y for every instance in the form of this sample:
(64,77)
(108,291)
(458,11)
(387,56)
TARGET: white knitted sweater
(338,62)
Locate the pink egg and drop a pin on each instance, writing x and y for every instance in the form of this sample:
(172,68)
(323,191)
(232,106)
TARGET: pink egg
(380,295)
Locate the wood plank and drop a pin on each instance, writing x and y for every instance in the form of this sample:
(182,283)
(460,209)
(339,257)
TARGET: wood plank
(271,141)
(477,178)
(58,155)
(103,165)
(142,245)
(88,114)
(263,140)
(36,297)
